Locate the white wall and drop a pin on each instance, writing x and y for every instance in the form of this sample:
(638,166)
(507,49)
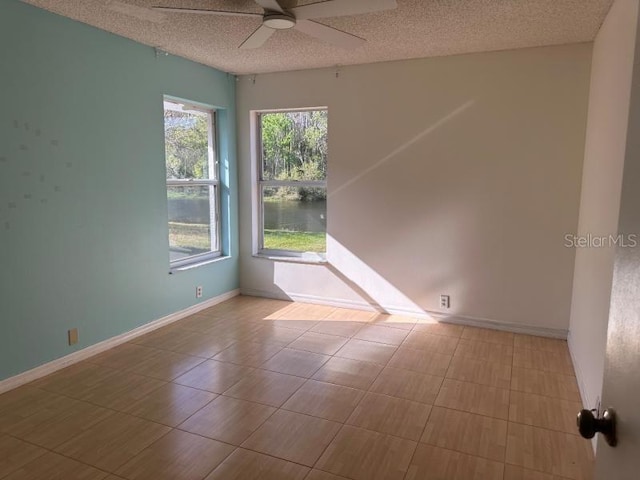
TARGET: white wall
(612,67)
(456,175)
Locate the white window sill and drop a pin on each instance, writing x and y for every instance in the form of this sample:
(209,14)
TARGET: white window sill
(309,259)
(191,266)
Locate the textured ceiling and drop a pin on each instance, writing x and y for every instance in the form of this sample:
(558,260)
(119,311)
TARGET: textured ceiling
(416,29)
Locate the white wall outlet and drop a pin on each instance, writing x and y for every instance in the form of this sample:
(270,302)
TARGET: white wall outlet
(445,301)
(199,291)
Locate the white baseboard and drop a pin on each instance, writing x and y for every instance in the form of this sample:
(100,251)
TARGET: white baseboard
(75,357)
(560,333)
(304,298)
(586,400)
(395,310)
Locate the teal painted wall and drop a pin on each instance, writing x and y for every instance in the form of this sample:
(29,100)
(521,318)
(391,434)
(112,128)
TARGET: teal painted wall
(83,208)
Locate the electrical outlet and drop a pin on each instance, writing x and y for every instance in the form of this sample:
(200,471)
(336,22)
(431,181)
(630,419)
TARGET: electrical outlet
(199,291)
(73,336)
(445,301)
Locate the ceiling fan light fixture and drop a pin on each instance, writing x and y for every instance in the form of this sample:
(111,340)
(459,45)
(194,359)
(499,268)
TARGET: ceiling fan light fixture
(279,21)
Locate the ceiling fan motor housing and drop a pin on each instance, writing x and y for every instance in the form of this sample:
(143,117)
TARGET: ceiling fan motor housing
(279,21)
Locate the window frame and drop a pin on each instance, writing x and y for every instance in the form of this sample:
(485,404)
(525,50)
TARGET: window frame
(213,182)
(261,184)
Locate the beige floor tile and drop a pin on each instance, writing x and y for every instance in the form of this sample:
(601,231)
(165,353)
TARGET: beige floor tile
(361,454)
(431,343)
(406,384)
(348,315)
(269,388)
(468,433)
(15,453)
(486,335)
(177,455)
(167,366)
(171,404)
(17,406)
(339,328)
(199,323)
(392,415)
(238,332)
(202,345)
(124,356)
(306,312)
(250,354)
(488,352)
(228,419)
(319,343)
(433,463)
(293,323)
(548,361)
(433,327)
(320,475)
(113,442)
(551,452)
(550,384)
(295,362)
(277,335)
(511,472)
(349,373)
(75,380)
(544,412)
(293,436)
(541,343)
(246,465)
(381,334)
(421,361)
(24,396)
(234,397)
(58,423)
(120,391)
(395,321)
(244,303)
(367,351)
(325,400)
(52,466)
(164,338)
(477,371)
(474,398)
(214,376)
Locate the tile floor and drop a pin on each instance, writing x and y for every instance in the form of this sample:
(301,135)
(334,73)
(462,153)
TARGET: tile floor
(261,389)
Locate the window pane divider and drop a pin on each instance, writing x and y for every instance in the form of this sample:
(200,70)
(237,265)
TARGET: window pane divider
(294,183)
(189,182)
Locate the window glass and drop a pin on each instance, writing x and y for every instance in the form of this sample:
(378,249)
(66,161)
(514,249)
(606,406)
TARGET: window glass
(293,190)
(192,183)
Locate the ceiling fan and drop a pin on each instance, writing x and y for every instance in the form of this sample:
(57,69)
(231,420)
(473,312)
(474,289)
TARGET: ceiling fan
(277,18)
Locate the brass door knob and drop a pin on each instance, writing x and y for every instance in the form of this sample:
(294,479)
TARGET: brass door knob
(589,425)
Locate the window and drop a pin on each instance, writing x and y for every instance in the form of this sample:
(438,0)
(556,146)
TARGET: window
(292,155)
(193,191)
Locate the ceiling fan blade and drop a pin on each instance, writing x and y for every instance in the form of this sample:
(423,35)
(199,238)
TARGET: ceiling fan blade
(257,38)
(340,8)
(207,12)
(329,34)
(271,5)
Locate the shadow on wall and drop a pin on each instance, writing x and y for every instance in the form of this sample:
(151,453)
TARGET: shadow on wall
(379,208)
